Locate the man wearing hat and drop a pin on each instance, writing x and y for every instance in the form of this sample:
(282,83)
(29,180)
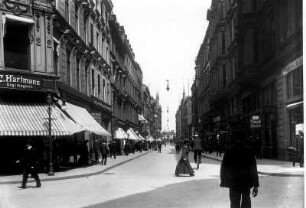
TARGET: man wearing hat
(31,163)
(239,171)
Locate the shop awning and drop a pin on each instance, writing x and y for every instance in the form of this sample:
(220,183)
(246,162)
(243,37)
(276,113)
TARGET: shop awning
(31,119)
(141,137)
(83,118)
(132,135)
(142,119)
(120,134)
(150,138)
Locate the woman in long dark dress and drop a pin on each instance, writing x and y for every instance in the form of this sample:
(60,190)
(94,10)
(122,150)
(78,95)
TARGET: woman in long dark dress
(183,166)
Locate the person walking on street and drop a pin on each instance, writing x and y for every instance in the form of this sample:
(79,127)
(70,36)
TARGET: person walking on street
(31,165)
(104,152)
(159,144)
(197,148)
(239,172)
(183,166)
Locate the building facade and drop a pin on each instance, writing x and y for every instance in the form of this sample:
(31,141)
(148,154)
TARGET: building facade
(68,74)
(249,71)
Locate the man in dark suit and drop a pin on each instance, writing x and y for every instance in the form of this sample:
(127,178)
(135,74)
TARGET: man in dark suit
(197,148)
(30,162)
(104,151)
(239,172)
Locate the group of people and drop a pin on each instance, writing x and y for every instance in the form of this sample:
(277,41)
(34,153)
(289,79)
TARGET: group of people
(238,168)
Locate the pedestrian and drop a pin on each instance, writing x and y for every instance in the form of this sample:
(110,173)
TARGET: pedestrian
(197,148)
(104,151)
(159,146)
(114,149)
(239,172)
(30,162)
(183,166)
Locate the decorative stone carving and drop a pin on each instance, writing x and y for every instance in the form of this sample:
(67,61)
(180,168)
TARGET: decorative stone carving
(17,7)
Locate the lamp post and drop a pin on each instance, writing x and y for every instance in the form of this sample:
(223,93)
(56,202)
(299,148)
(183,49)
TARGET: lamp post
(49,101)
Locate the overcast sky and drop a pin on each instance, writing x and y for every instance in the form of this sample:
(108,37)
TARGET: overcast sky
(165,36)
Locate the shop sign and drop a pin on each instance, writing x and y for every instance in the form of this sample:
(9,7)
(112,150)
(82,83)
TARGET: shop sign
(293,65)
(19,81)
(255,121)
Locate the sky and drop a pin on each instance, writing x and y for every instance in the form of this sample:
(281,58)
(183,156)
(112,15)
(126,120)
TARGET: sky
(165,36)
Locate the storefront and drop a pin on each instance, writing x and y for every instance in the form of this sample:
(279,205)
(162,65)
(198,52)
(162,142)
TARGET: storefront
(293,99)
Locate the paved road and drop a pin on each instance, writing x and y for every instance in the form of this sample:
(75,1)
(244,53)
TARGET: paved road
(149,182)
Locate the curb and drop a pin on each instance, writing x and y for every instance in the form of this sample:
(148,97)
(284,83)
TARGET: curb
(266,173)
(75,176)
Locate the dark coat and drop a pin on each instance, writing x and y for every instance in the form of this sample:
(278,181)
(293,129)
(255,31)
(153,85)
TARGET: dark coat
(30,158)
(197,144)
(104,149)
(238,168)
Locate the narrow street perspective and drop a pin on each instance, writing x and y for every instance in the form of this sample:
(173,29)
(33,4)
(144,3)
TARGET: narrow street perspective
(152,104)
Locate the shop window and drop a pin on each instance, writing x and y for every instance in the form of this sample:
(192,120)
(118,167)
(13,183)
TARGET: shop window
(16,46)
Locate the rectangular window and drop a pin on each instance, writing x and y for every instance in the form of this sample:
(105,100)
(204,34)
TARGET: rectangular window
(99,85)
(84,29)
(222,9)
(295,83)
(91,33)
(76,21)
(223,42)
(86,78)
(55,58)
(17,46)
(93,81)
(67,10)
(224,76)
(78,74)
(68,79)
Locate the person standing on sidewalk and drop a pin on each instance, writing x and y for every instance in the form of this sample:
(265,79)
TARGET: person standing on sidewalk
(31,165)
(239,172)
(104,152)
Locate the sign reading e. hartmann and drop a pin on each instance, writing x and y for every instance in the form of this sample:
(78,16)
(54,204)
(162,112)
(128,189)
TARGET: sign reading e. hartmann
(19,81)
(11,80)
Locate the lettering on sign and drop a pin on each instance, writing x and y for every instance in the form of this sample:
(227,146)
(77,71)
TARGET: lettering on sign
(18,81)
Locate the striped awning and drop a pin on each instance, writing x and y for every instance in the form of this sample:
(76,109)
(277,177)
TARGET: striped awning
(83,118)
(132,135)
(141,137)
(31,119)
(120,134)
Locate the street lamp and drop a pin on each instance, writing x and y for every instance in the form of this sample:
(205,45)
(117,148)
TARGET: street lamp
(49,101)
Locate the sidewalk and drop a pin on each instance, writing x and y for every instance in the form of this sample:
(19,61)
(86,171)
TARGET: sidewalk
(77,172)
(270,167)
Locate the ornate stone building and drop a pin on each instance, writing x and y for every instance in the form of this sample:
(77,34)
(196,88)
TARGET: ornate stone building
(249,71)
(67,74)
